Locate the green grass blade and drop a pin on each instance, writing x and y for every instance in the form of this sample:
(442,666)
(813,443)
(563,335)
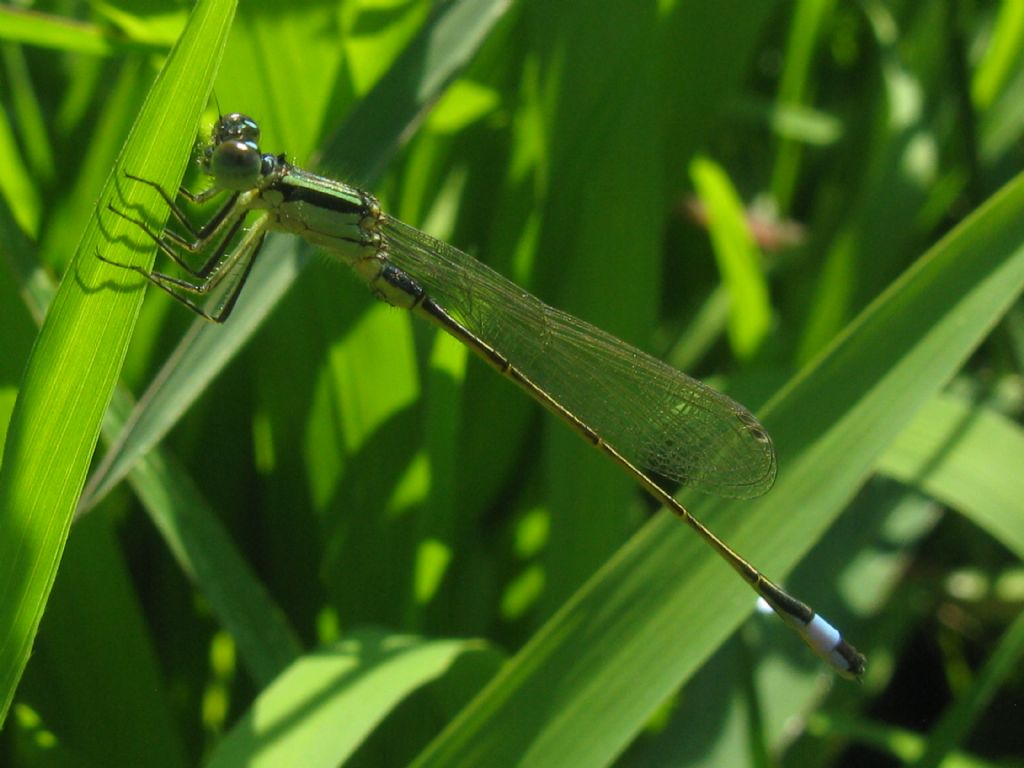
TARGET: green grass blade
(16,187)
(968,458)
(210,558)
(195,536)
(390,113)
(646,621)
(1001,56)
(203,549)
(739,259)
(805,34)
(60,33)
(78,354)
(321,709)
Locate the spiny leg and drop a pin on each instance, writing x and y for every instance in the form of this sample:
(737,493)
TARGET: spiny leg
(206,232)
(168,240)
(198,199)
(239,261)
(227,217)
(222,310)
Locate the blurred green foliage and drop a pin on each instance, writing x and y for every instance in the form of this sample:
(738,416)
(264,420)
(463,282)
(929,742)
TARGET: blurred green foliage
(337,526)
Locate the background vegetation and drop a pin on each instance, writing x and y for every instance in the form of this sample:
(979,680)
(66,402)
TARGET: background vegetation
(322,534)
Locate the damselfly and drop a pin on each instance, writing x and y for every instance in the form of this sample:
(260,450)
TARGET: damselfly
(649,418)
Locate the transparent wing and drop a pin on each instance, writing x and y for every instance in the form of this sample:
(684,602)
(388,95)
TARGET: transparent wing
(659,418)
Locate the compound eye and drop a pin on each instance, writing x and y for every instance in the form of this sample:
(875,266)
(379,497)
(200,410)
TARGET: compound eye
(236,126)
(235,164)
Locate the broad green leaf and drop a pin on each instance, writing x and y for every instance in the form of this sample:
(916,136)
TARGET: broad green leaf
(78,355)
